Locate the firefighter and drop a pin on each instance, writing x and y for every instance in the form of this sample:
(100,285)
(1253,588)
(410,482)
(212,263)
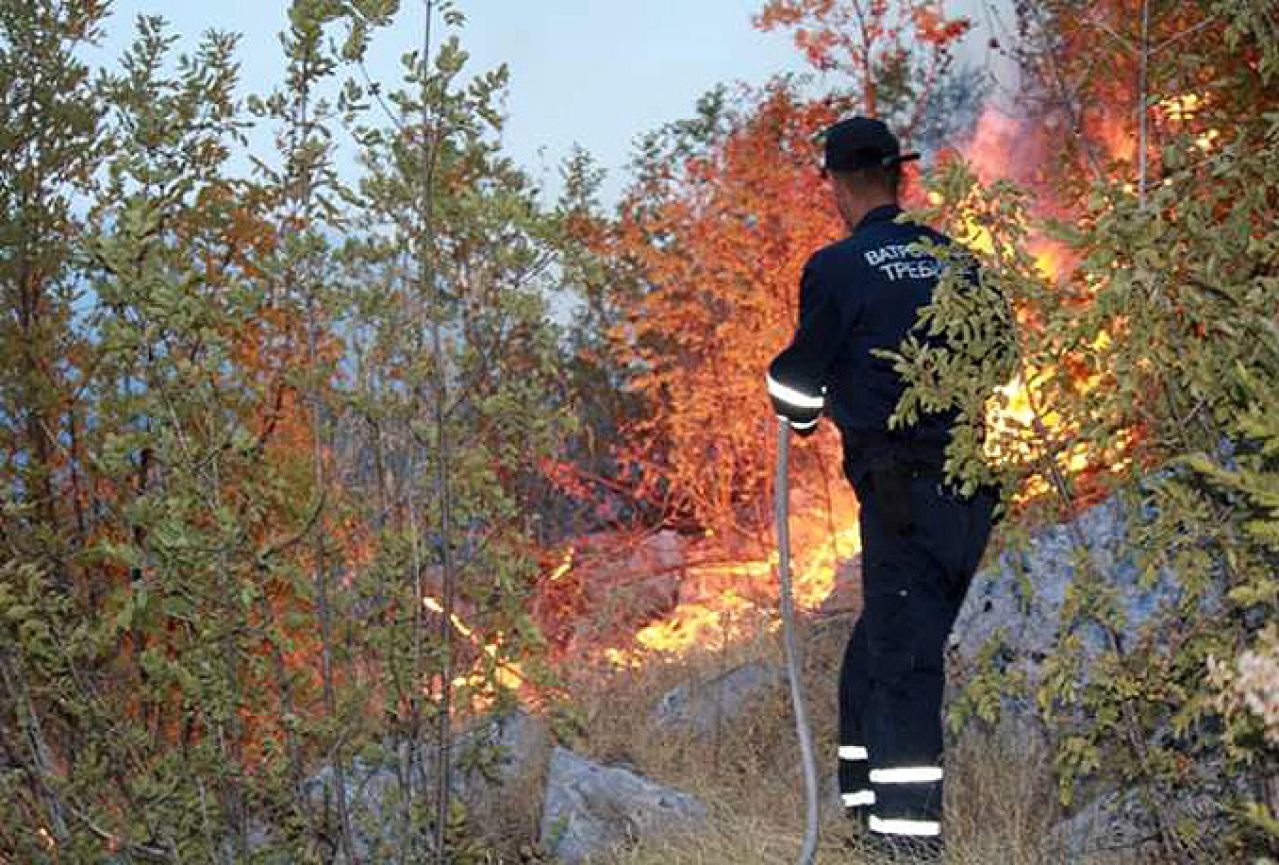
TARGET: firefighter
(921,541)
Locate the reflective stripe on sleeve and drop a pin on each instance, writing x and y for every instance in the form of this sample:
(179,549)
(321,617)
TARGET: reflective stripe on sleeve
(791,396)
(906,775)
(858,798)
(853,752)
(904,827)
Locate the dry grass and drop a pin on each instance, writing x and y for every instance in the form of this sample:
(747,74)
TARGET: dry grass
(748,761)
(1000,797)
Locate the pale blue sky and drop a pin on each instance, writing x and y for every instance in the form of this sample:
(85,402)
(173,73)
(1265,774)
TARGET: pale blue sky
(594,72)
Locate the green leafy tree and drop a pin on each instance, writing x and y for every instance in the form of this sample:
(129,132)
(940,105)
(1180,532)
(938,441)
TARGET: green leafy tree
(141,677)
(222,429)
(49,152)
(456,385)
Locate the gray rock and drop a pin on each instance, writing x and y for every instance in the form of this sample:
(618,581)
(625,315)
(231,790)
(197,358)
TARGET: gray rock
(651,575)
(485,758)
(499,751)
(625,584)
(590,809)
(374,799)
(1020,596)
(1119,820)
(643,583)
(499,769)
(702,706)
(1015,607)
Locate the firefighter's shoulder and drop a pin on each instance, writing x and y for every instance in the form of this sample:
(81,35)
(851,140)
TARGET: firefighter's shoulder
(838,259)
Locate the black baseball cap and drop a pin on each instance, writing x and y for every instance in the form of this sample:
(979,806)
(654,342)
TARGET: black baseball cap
(861,142)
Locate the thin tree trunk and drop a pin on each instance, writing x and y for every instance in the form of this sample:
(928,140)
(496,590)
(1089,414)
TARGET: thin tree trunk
(429,285)
(302,200)
(1143,108)
(322,597)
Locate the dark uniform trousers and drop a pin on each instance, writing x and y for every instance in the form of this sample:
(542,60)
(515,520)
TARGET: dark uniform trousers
(921,544)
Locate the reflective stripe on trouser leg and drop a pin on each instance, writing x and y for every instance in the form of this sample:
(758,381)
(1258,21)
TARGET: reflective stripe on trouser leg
(904,826)
(858,798)
(906,775)
(907,800)
(855,789)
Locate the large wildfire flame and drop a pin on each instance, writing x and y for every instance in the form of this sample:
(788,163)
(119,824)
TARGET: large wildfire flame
(1018,419)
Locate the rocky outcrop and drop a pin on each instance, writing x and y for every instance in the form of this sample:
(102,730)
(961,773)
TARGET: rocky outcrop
(499,751)
(374,799)
(1115,820)
(700,707)
(1012,620)
(591,808)
(642,582)
(1019,598)
(485,761)
(501,765)
(623,581)
(499,768)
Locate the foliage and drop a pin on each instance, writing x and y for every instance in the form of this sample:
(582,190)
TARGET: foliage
(222,572)
(595,488)
(483,274)
(1147,371)
(895,59)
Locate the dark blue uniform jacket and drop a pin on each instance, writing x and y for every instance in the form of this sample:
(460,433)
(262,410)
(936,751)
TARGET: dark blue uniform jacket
(859,294)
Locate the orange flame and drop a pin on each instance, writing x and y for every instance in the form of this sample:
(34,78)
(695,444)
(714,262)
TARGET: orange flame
(564,566)
(726,602)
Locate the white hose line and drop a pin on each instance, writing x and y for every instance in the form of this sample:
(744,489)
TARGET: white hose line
(781,500)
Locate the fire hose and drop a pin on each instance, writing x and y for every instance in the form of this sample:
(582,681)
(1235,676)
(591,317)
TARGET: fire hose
(781,495)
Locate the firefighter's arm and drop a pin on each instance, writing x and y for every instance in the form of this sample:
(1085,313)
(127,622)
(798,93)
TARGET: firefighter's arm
(797,376)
